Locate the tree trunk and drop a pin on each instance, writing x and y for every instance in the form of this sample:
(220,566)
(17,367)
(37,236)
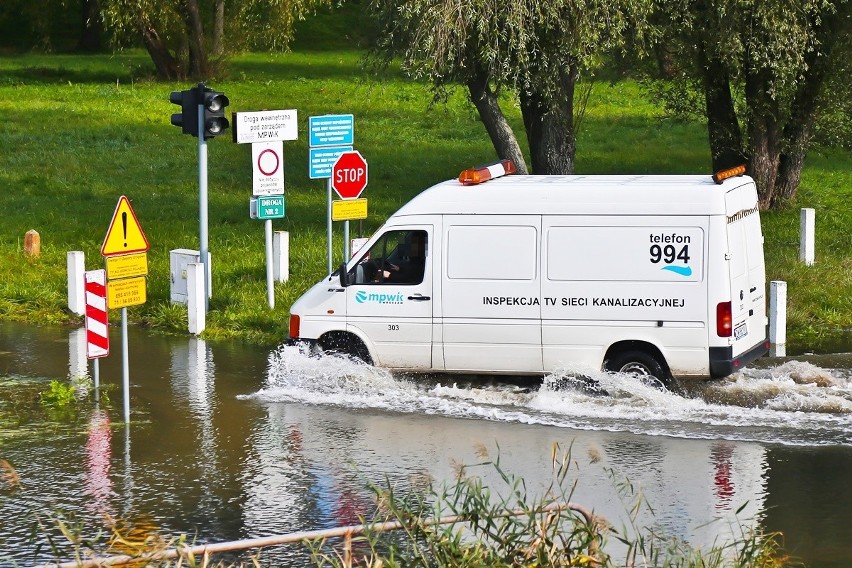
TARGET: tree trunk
(199,67)
(91,35)
(501,133)
(219,29)
(167,66)
(550,127)
(764,132)
(723,128)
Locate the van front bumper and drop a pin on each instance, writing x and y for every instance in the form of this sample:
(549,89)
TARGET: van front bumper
(723,363)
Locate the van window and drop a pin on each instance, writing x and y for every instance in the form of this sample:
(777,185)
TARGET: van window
(491,252)
(398,257)
(631,254)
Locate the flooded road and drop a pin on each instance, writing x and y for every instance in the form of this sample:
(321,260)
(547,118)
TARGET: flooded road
(228,442)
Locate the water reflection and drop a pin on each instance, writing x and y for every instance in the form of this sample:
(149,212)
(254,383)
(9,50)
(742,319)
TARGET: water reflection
(78,365)
(98,478)
(227,442)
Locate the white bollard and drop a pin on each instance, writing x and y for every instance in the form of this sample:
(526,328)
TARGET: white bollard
(196,304)
(777,318)
(281,256)
(807,235)
(76,283)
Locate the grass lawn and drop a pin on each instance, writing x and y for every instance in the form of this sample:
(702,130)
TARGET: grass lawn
(80,131)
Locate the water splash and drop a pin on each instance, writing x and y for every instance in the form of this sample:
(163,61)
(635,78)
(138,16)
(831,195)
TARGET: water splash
(792,403)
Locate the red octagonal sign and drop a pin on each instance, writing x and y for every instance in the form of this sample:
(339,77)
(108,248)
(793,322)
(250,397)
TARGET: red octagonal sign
(349,175)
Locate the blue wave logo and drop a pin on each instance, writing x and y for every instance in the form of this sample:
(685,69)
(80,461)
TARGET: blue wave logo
(682,270)
(360,296)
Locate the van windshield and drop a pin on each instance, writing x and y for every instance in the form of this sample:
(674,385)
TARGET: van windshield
(398,257)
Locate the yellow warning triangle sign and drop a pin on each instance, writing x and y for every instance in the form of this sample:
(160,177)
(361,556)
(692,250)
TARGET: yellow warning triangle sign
(125,234)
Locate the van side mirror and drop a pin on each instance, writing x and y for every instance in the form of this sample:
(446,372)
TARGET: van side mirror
(344,278)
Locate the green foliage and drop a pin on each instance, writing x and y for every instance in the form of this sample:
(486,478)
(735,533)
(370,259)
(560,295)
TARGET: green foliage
(107,132)
(44,25)
(521,44)
(767,70)
(59,394)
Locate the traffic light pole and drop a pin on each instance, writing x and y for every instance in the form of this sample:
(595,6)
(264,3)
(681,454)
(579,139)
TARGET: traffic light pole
(202,204)
(209,121)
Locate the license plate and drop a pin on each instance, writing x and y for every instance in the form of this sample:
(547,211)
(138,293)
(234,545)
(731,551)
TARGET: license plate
(741,330)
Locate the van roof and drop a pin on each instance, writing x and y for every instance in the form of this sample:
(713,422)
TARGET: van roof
(580,194)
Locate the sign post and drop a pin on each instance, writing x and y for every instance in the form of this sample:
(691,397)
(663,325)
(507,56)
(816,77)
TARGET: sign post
(97,321)
(123,244)
(349,178)
(266,131)
(330,136)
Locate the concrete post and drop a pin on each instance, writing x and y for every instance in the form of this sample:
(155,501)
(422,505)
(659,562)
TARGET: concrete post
(76,282)
(281,256)
(196,300)
(32,244)
(777,318)
(807,235)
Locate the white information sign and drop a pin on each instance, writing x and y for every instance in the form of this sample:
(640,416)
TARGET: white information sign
(267,160)
(265,126)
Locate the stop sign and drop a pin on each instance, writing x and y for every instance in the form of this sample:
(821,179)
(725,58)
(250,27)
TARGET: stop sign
(349,175)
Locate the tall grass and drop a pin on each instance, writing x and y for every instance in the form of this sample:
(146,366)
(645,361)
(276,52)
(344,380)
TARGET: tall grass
(80,131)
(506,524)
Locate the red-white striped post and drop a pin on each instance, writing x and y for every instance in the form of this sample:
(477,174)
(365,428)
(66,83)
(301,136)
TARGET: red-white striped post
(97,334)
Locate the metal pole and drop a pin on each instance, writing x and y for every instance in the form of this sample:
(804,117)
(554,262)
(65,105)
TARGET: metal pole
(97,372)
(125,367)
(346,241)
(202,198)
(329,225)
(270,284)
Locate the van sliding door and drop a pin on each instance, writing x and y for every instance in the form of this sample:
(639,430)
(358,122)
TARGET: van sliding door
(491,293)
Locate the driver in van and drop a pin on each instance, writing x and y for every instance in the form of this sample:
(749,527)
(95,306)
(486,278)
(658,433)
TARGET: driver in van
(410,267)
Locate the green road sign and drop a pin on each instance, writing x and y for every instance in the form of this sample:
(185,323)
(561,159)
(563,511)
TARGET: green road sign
(267,207)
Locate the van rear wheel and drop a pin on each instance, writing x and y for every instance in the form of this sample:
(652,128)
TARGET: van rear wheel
(640,364)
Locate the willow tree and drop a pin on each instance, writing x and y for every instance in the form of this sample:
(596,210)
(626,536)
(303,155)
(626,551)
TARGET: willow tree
(535,51)
(763,67)
(186,38)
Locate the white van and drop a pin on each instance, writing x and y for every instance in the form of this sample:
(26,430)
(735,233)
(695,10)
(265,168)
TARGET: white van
(524,274)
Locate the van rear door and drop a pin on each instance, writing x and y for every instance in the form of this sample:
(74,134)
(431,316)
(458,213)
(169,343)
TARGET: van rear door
(746,267)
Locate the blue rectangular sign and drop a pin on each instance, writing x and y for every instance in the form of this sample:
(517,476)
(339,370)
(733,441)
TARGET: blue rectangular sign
(331,130)
(321,160)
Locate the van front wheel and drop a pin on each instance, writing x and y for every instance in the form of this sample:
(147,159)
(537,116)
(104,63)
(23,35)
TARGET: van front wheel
(345,343)
(649,370)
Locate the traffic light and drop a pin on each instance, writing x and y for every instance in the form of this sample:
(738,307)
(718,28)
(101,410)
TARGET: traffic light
(187,119)
(214,104)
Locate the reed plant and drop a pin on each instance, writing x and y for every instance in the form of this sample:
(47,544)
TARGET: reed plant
(512,526)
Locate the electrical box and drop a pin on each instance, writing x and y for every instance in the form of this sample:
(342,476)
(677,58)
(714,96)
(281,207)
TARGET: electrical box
(178,260)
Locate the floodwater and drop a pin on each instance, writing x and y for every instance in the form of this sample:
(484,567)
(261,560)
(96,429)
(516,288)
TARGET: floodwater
(229,442)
